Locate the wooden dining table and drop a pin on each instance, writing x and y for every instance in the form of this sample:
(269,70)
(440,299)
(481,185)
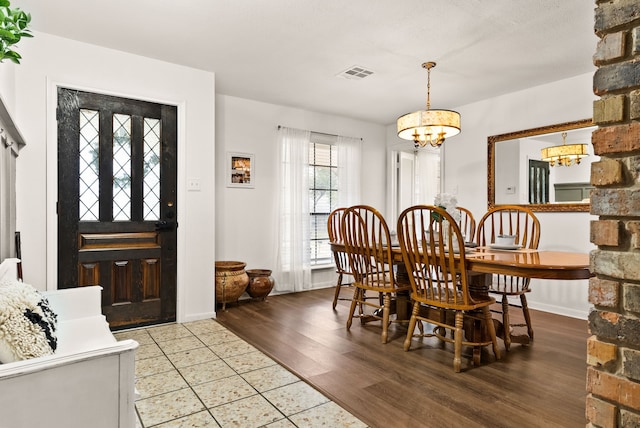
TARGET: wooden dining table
(525,262)
(528,263)
(482,262)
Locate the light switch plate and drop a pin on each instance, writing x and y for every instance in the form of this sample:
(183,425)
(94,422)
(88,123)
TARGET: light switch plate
(193,184)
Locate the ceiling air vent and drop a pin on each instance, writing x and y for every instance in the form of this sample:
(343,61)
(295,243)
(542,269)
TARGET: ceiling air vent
(355,72)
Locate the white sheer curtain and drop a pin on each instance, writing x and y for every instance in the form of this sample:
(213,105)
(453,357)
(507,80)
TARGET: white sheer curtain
(293,266)
(349,171)
(427,176)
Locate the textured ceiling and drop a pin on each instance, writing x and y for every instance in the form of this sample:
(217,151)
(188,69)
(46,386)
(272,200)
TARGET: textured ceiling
(290,52)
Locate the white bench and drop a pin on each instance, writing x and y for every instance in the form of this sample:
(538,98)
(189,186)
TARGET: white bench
(88,382)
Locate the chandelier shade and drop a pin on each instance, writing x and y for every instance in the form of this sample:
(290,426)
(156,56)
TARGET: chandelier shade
(428,126)
(425,126)
(564,154)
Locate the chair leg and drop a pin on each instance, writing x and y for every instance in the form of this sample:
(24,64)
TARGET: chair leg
(505,322)
(527,317)
(338,287)
(457,362)
(491,329)
(352,310)
(361,298)
(386,309)
(412,326)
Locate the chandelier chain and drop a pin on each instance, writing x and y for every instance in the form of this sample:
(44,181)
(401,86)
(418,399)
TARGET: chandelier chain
(428,88)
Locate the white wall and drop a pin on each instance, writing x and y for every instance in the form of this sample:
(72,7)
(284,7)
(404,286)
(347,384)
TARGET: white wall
(7,85)
(50,61)
(465,172)
(245,217)
(508,181)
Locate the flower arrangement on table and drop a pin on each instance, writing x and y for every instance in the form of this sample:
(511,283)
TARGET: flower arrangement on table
(448,202)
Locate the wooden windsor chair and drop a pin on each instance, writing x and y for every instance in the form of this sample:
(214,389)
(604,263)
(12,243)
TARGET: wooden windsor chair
(368,246)
(431,241)
(521,222)
(339,257)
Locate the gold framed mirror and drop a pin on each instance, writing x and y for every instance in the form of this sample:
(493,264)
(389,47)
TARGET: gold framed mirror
(516,174)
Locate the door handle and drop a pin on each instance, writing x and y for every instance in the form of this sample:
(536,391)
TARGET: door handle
(166,225)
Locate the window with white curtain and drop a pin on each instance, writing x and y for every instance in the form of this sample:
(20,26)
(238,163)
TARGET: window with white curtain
(318,173)
(323,197)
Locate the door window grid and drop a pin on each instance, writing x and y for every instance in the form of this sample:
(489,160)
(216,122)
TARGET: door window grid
(89,189)
(121,167)
(323,197)
(151,179)
(89,150)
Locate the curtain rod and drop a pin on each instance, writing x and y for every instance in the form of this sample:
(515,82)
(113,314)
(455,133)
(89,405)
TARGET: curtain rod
(321,133)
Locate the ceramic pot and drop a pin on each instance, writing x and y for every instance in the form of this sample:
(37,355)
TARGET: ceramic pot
(231,282)
(260,283)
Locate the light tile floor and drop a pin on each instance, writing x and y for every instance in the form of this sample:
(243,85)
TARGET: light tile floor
(199,374)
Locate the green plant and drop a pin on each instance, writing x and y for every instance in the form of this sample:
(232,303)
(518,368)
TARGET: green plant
(13,27)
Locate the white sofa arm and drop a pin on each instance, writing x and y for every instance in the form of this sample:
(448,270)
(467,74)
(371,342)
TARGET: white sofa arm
(88,389)
(72,303)
(88,382)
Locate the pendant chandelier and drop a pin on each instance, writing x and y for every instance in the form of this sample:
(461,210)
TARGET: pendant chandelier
(564,155)
(429,126)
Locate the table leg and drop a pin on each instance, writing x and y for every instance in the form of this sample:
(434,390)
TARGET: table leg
(403,303)
(403,298)
(479,286)
(479,283)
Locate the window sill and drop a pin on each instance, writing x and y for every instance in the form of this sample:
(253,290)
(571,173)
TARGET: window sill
(325,266)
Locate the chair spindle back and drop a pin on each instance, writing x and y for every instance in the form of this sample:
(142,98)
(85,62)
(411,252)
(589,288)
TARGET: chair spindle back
(335,236)
(467,224)
(509,220)
(426,234)
(368,245)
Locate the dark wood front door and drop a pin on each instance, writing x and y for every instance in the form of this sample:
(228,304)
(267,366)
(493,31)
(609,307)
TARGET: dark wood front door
(117,208)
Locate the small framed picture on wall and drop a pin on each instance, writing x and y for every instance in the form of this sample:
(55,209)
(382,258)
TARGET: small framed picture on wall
(240,170)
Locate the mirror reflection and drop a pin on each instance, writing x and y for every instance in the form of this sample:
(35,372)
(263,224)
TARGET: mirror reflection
(518,175)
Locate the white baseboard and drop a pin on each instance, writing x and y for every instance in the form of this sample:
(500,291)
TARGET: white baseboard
(198,317)
(559,310)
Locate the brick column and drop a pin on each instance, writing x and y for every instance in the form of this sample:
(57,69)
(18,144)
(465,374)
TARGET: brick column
(613,351)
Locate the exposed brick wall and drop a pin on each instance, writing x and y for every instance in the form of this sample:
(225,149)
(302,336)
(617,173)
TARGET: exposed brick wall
(613,350)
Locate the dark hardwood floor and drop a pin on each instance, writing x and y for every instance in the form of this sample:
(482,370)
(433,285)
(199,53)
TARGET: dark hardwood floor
(539,385)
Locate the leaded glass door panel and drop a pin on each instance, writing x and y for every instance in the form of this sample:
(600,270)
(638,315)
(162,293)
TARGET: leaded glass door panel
(117,204)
